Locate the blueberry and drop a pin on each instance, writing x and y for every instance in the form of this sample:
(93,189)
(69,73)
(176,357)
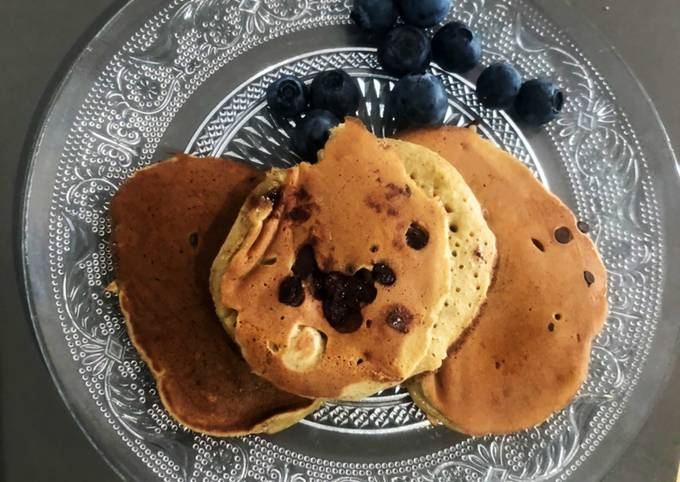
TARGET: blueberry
(456,47)
(405,50)
(498,86)
(375,16)
(539,101)
(311,133)
(419,100)
(423,13)
(287,96)
(335,91)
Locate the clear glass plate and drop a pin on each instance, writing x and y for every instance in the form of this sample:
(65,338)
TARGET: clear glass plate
(162,77)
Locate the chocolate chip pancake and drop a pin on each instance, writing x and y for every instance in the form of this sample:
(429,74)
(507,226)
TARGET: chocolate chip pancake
(472,244)
(334,275)
(528,353)
(169,221)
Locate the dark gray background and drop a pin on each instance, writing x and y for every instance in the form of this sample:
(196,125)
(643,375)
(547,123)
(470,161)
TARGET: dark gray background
(38,439)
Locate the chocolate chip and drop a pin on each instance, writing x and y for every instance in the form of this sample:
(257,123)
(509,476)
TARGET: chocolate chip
(193,240)
(305,262)
(317,285)
(341,317)
(364,275)
(589,277)
(299,214)
(563,235)
(366,292)
(393,191)
(417,237)
(302,194)
(399,318)
(551,326)
(291,292)
(383,274)
(273,196)
(583,227)
(538,244)
(374,248)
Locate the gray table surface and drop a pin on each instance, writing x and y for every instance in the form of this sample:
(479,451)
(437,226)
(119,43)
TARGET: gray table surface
(38,439)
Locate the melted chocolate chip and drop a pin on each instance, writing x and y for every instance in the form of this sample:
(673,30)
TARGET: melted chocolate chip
(589,277)
(341,317)
(317,285)
(302,194)
(383,274)
(583,227)
(393,191)
(273,196)
(563,235)
(538,244)
(193,240)
(399,318)
(291,292)
(299,214)
(417,237)
(305,262)
(364,275)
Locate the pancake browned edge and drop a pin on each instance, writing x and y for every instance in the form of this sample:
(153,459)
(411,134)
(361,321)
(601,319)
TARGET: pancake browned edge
(169,221)
(529,352)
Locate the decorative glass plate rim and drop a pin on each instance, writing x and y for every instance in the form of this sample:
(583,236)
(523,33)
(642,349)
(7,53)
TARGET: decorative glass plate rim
(37,145)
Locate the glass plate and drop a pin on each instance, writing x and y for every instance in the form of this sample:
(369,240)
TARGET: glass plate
(162,77)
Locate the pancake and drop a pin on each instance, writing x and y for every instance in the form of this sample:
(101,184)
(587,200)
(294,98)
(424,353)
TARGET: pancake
(169,221)
(472,244)
(529,351)
(355,209)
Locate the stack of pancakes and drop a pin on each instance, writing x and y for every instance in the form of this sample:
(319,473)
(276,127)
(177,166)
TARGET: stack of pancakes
(428,261)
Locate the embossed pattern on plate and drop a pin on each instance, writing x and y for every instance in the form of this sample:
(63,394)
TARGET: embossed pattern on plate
(138,96)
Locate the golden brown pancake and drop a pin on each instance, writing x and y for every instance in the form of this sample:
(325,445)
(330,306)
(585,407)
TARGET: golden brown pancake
(356,207)
(472,244)
(169,222)
(528,354)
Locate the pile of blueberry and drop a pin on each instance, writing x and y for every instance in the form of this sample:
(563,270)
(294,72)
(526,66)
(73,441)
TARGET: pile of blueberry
(418,99)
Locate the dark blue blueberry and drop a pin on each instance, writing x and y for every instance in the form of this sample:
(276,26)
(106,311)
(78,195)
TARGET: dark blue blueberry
(311,133)
(335,91)
(419,100)
(498,86)
(456,47)
(405,50)
(287,96)
(539,101)
(375,16)
(423,13)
